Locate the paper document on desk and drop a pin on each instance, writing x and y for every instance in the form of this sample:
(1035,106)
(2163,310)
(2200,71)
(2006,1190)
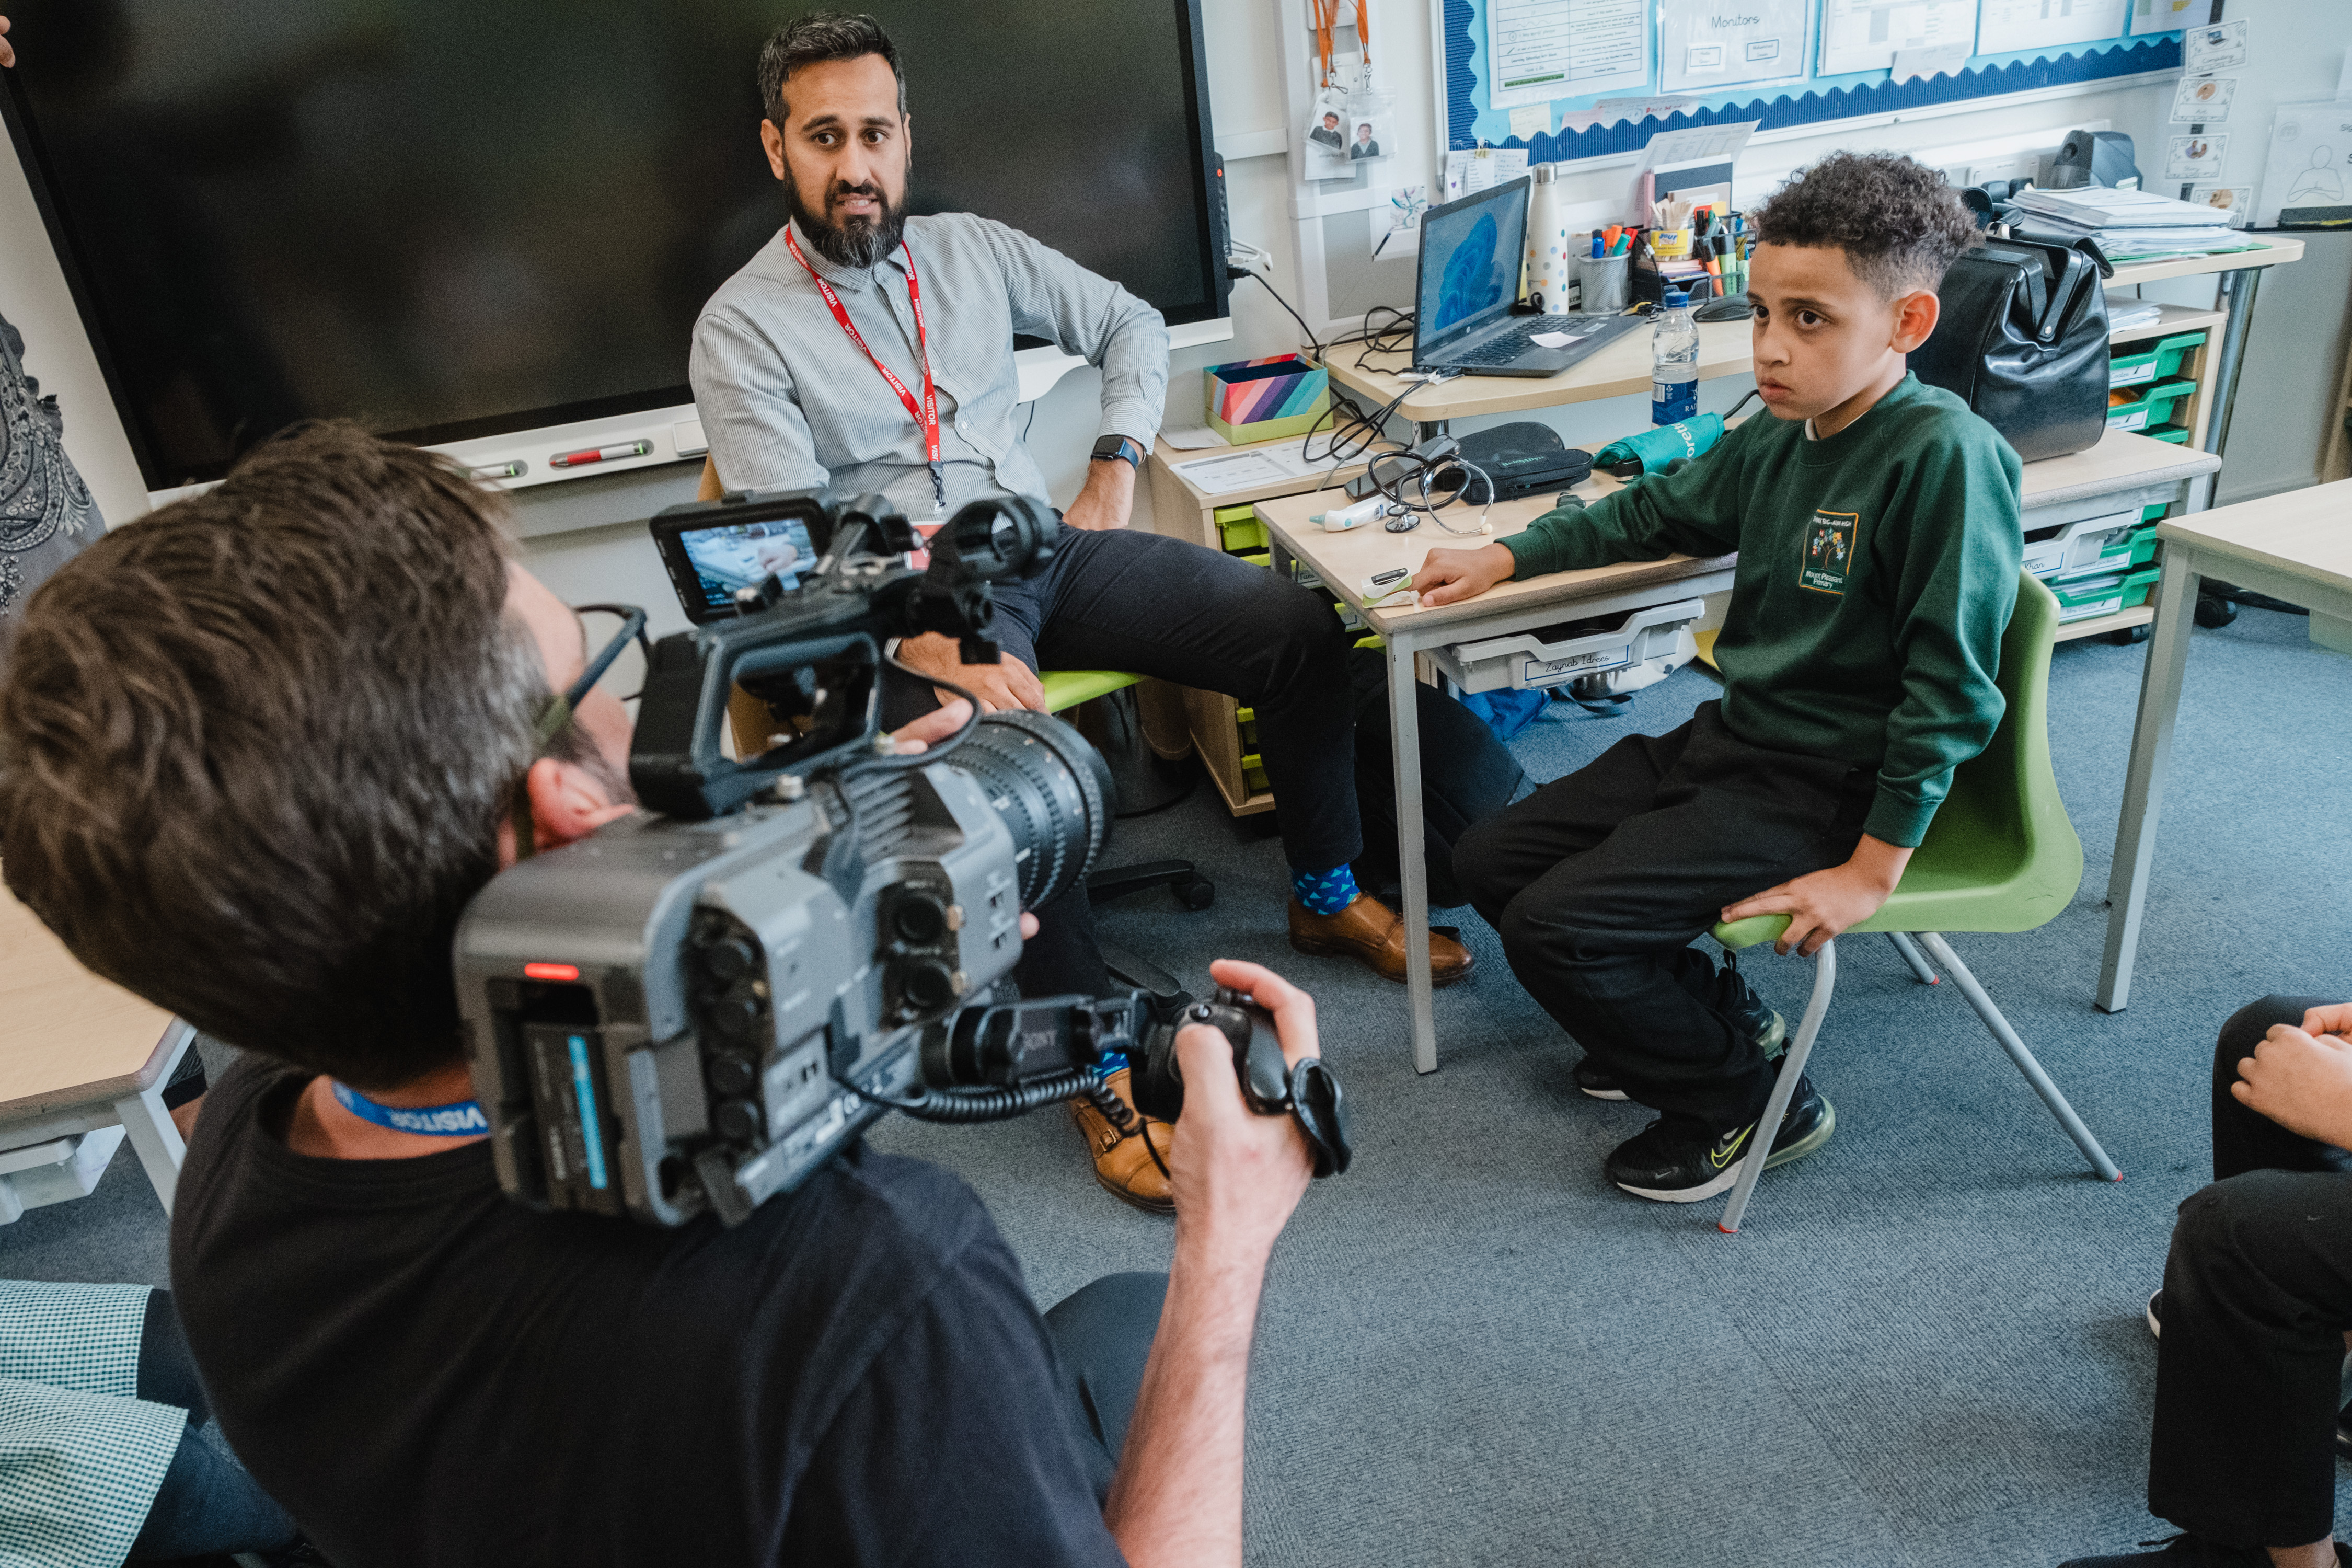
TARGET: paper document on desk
(1230,471)
(1699,144)
(1192,437)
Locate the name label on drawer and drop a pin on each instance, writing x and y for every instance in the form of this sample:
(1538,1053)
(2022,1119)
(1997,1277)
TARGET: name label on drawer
(1576,664)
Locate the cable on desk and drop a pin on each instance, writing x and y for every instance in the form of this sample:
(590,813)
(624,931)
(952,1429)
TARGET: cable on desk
(1313,342)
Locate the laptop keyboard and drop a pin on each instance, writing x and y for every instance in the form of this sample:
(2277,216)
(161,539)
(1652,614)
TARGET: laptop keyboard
(1507,346)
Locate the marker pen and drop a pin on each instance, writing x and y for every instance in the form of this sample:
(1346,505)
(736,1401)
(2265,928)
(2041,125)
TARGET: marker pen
(599,454)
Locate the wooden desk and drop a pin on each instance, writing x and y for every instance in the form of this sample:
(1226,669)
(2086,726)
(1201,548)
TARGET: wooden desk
(2123,470)
(1622,368)
(80,1059)
(2296,547)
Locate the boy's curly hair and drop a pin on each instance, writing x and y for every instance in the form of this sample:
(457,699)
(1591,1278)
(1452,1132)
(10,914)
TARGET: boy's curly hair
(1897,220)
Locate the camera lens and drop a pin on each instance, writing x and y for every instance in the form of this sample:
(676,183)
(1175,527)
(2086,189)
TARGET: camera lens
(1053,791)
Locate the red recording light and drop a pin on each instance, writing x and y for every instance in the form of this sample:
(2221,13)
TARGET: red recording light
(550,972)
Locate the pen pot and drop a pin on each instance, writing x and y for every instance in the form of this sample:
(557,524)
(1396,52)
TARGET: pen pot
(1603,279)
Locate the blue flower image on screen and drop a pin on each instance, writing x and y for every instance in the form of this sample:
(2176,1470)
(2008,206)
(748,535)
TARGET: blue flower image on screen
(1472,281)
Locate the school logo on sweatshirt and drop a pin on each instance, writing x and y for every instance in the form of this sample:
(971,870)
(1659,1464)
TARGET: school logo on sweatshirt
(1829,552)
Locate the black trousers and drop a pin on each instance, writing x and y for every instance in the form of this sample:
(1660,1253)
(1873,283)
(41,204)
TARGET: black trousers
(1124,599)
(1600,882)
(1103,1333)
(2257,1295)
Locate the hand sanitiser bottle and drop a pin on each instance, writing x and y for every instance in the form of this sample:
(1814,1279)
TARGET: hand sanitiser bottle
(1674,360)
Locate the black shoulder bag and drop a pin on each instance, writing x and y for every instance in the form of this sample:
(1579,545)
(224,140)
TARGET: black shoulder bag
(2023,339)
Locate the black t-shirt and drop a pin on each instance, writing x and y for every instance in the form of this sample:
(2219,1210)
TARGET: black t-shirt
(425,1374)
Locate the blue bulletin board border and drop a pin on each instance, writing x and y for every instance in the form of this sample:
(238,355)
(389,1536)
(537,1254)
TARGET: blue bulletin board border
(1853,97)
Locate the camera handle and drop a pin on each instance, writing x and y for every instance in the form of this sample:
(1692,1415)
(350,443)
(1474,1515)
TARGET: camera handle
(988,1063)
(1270,1086)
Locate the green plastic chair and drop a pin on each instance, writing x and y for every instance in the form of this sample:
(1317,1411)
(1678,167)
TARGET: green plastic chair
(1999,857)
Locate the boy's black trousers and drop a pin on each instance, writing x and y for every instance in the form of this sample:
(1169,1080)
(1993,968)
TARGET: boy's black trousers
(1600,882)
(2257,1295)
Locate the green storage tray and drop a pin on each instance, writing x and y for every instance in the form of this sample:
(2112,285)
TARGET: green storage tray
(2124,550)
(1240,528)
(2083,598)
(2154,514)
(2131,370)
(2176,434)
(2154,407)
(2160,362)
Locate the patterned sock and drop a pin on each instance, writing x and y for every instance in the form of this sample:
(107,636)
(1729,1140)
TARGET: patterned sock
(1324,892)
(1109,1063)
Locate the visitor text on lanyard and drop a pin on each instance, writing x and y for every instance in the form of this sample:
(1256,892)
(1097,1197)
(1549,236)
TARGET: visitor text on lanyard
(926,414)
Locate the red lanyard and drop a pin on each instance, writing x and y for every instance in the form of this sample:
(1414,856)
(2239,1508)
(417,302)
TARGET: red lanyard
(926,417)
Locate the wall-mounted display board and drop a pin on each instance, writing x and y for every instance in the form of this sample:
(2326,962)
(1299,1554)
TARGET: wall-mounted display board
(1586,78)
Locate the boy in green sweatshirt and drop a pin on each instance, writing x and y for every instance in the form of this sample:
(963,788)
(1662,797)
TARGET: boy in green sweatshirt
(1876,522)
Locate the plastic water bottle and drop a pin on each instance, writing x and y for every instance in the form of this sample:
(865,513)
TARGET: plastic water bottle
(1674,361)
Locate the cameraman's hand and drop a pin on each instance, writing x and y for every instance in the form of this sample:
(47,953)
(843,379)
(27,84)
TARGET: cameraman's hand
(1009,683)
(1445,576)
(1236,1175)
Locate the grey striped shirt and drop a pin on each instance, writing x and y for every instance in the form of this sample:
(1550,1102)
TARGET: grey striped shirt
(788,402)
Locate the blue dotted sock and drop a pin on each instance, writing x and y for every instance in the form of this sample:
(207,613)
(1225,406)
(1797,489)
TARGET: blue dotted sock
(1324,892)
(1109,1063)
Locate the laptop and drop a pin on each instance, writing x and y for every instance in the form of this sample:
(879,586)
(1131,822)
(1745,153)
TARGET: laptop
(1471,252)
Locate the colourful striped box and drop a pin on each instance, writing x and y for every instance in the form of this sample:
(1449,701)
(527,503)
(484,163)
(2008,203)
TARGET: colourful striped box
(1264,399)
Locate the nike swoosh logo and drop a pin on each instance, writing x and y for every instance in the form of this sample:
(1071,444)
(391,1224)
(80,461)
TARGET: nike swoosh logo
(1732,1153)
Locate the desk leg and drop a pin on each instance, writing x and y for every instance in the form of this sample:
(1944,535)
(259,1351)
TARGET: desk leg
(2160,703)
(2237,291)
(152,1133)
(1413,867)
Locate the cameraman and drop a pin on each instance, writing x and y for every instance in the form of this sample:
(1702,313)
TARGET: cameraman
(256,754)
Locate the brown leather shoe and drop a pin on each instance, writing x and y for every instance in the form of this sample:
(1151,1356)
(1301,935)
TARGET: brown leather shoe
(1123,1165)
(1369,931)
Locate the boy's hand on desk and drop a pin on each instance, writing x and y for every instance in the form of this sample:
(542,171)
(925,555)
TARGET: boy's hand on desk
(1823,903)
(1448,576)
(2302,1081)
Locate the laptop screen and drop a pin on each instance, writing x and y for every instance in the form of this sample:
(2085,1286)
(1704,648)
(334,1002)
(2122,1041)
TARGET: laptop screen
(1470,258)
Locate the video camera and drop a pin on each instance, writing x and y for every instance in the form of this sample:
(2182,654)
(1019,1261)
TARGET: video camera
(694,1010)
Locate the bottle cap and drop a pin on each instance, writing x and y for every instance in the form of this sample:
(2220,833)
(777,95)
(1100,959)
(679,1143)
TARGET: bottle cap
(1675,298)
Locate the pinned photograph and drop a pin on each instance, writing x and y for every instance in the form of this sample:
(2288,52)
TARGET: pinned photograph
(1330,128)
(2234,203)
(2217,47)
(2203,99)
(2195,158)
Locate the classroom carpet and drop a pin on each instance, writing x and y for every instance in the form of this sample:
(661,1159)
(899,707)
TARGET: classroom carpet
(1924,1351)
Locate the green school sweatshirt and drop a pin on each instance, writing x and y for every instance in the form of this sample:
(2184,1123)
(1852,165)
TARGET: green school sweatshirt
(1877,571)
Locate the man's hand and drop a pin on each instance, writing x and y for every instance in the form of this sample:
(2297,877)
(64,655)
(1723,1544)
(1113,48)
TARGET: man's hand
(1009,683)
(1236,1175)
(1447,576)
(2330,1020)
(2302,1081)
(8,55)
(1824,903)
(1176,1502)
(1108,498)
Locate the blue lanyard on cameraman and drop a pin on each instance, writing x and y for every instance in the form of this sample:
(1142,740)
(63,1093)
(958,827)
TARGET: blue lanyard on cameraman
(458,1119)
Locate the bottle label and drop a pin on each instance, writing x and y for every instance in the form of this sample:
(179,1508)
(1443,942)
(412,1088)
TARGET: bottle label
(1670,401)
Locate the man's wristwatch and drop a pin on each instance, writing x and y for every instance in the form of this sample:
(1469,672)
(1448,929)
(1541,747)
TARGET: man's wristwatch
(1120,448)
